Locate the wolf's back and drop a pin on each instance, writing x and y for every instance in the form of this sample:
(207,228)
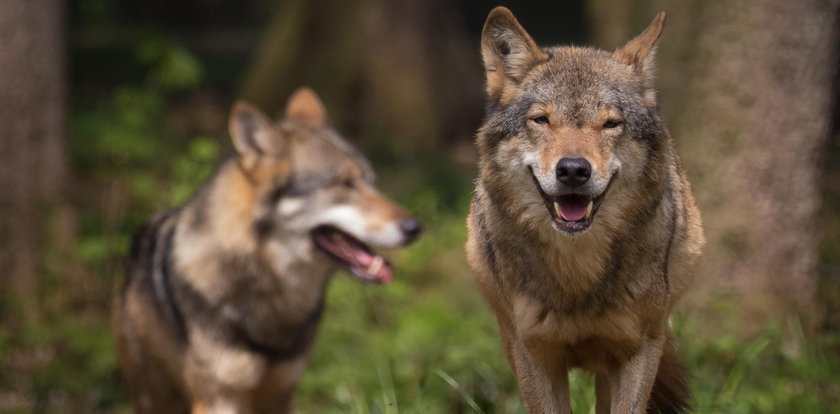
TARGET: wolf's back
(145,242)
(149,269)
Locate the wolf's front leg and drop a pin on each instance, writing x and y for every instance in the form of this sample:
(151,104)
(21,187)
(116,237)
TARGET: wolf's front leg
(602,394)
(546,391)
(632,382)
(220,405)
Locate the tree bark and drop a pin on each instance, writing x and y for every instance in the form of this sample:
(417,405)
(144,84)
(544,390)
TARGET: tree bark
(33,161)
(747,92)
(407,68)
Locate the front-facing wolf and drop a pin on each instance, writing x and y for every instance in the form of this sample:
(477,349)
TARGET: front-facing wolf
(583,231)
(224,295)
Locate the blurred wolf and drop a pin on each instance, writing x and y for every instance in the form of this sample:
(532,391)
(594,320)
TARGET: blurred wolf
(224,295)
(583,231)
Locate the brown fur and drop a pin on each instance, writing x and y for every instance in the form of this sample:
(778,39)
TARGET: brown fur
(597,300)
(224,295)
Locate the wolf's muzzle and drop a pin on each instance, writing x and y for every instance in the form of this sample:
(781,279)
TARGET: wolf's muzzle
(573,172)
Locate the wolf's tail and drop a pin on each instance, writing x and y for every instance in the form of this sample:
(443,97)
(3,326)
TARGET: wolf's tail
(670,390)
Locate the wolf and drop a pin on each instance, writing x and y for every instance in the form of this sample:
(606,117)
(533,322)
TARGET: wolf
(583,231)
(223,295)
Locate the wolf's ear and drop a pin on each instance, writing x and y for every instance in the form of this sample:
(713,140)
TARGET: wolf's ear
(508,51)
(641,50)
(305,106)
(252,132)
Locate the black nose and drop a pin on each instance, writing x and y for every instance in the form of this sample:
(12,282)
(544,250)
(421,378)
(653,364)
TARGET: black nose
(411,228)
(574,172)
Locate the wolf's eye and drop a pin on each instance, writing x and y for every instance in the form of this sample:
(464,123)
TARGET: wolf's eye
(610,124)
(542,120)
(349,182)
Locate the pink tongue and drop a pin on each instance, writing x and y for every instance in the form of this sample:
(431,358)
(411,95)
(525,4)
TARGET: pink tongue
(573,211)
(385,273)
(364,258)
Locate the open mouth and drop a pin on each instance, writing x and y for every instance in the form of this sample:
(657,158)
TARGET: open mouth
(353,255)
(571,213)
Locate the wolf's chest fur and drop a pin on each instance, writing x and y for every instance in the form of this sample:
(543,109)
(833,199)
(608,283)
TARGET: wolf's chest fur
(589,296)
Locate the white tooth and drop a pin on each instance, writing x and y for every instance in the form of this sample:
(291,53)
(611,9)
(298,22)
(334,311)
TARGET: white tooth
(557,209)
(588,211)
(376,265)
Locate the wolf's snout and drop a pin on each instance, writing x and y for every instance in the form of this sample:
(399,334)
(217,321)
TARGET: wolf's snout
(411,228)
(574,172)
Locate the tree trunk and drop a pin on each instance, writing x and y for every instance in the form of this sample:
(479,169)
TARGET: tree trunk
(746,90)
(407,68)
(32,136)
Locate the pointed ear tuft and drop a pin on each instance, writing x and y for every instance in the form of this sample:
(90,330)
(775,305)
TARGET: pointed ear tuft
(252,132)
(640,51)
(508,51)
(305,106)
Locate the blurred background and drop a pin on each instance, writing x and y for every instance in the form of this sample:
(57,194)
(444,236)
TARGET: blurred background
(113,109)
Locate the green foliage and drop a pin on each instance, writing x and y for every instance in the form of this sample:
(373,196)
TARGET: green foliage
(172,66)
(194,167)
(123,142)
(83,363)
